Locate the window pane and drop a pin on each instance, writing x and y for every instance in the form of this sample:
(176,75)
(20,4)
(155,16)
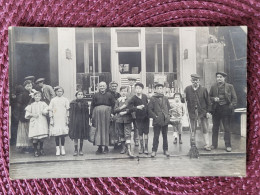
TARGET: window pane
(129,62)
(127,39)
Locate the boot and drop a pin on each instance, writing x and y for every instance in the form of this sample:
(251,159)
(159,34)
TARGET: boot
(146,146)
(36,154)
(175,137)
(57,150)
(141,149)
(153,154)
(180,141)
(80,148)
(63,151)
(129,150)
(76,151)
(123,151)
(99,150)
(106,150)
(206,138)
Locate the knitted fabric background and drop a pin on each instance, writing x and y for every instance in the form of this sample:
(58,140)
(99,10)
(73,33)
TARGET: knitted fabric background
(81,13)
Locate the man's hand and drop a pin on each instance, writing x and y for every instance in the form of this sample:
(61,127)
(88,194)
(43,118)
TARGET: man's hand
(208,115)
(216,99)
(140,107)
(122,113)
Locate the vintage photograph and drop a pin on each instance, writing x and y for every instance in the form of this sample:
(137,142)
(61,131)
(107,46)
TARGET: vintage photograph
(127,102)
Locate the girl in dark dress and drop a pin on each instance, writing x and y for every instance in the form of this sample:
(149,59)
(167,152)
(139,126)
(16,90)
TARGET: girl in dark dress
(79,122)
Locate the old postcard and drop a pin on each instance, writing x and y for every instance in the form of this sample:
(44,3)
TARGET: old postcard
(127,102)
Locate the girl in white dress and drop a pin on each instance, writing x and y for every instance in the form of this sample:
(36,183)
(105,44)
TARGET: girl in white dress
(38,126)
(59,113)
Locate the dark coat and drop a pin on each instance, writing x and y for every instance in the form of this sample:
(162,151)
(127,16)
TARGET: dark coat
(159,110)
(134,102)
(23,100)
(203,99)
(230,96)
(79,119)
(127,118)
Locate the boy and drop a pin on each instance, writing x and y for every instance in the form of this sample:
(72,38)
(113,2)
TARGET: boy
(158,109)
(176,112)
(124,120)
(138,104)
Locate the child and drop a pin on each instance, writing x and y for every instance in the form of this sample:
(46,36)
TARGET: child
(38,126)
(176,112)
(139,104)
(124,120)
(59,113)
(79,121)
(158,109)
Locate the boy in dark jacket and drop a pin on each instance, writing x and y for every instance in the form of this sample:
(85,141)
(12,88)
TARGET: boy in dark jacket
(139,103)
(124,120)
(158,109)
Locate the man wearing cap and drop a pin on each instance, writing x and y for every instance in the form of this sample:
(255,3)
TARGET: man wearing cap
(131,93)
(224,100)
(47,90)
(198,104)
(113,132)
(158,109)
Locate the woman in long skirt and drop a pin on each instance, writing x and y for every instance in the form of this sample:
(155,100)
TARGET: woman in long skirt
(101,111)
(23,100)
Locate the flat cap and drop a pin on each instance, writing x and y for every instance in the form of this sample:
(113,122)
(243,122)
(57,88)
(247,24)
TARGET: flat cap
(158,85)
(222,73)
(29,78)
(40,80)
(139,84)
(196,76)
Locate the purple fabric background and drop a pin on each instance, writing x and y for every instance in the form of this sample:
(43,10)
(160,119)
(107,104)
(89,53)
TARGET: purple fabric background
(80,13)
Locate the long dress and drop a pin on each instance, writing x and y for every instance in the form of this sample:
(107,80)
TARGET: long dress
(79,119)
(58,109)
(101,109)
(23,140)
(38,127)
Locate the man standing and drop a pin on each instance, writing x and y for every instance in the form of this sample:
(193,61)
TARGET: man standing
(47,91)
(113,132)
(198,104)
(224,100)
(158,109)
(131,93)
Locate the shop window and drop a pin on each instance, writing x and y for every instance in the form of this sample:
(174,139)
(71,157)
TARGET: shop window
(128,39)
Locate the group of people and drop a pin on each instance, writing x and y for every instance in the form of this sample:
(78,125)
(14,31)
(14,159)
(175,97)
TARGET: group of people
(43,111)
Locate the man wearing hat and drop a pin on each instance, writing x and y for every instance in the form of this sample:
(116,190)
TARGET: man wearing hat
(47,91)
(131,93)
(224,100)
(113,133)
(158,109)
(198,104)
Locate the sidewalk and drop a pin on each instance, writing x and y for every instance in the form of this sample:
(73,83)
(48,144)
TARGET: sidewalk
(175,150)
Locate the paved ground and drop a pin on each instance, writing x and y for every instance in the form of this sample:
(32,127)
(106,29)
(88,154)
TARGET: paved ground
(217,162)
(163,166)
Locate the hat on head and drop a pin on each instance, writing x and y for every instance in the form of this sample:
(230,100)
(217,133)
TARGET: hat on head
(131,78)
(195,76)
(40,80)
(29,78)
(222,73)
(139,84)
(158,85)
